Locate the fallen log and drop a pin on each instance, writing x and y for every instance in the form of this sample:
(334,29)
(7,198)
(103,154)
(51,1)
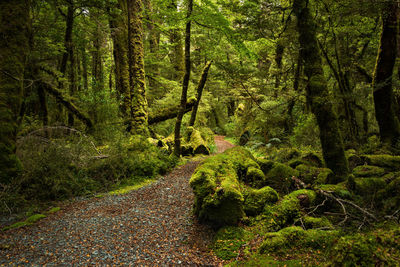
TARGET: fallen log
(170,112)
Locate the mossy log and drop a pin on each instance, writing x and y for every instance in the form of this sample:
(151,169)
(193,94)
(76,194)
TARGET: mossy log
(170,112)
(385,161)
(67,103)
(198,144)
(217,188)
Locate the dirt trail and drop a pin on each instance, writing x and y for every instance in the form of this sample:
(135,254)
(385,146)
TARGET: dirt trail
(152,226)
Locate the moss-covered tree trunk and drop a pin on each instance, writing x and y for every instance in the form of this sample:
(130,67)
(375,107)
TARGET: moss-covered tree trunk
(199,93)
(185,83)
(279,50)
(318,95)
(119,37)
(176,54)
(139,109)
(389,127)
(14,47)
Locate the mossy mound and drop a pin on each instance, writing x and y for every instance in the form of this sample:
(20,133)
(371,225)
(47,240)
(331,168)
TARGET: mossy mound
(280,176)
(228,240)
(314,175)
(313,159)
(339,189)
(390,196)
(379,248)
(315,223)
(287,210)
(388,162)
(218,192)
(368,186)
(294,236)
(368,171)
(256,199)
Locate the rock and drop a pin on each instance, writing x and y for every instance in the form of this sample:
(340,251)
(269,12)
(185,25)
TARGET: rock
(256,199)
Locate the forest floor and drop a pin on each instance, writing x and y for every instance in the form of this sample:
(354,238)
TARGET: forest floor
(151,226)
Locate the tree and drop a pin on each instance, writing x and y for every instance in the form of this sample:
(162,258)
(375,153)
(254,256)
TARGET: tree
(185,82)
(139,113)
(388,122)
(317,93)
(14,47)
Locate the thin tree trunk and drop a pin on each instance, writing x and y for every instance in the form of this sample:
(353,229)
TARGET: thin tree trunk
(176,56)
(185,83)
(199,93)
(139,111)
(318,95)
(388,122)
(14,47)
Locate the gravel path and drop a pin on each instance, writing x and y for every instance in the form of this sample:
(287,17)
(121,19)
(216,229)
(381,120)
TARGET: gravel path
(152,226)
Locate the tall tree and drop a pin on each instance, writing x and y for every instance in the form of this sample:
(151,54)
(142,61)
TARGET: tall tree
(318,95)
(388,122)
(14,47)
(139,110)
(185,82)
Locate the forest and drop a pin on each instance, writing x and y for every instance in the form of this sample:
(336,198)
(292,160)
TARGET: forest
(200,132)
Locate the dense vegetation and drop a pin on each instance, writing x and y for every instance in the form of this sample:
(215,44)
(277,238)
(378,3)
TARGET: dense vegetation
(96,94)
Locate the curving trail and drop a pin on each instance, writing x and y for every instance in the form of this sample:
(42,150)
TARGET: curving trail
(152,226)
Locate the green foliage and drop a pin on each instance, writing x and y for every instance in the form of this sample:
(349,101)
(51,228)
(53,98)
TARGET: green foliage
(306,132)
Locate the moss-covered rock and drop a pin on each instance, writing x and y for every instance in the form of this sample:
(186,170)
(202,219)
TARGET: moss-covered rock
(280,177)
(314,175)
(385,161)
(390,196)
(295,236)
(256,199)
(339,189)
(255,177)
(368,186)
(313,222)
(354,160)
(313,159)
(198,144)
(265,164)
(368,171)
(228,240)
(289,208)
(215,183)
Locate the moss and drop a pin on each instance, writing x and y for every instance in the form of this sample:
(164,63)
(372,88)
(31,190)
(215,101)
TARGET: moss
(312,159)
(368,186)
(256,199)
(228,241)
(340,189)
(54,210)
(313,222)
(255,177)
(390,196)
(265,164)
(295,236)
(385,161)
(29,221)
(129,188)
(279,177)
(368,171)
(198,143)
(311,175)
(289,208)
(35,218)
(354,161)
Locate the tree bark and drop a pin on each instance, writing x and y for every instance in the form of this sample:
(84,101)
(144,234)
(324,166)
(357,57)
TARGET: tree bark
(139,110)
(170,112)
(14,47)
(388,122)
(199,93)
(318,95)
(185,83)
(176,55)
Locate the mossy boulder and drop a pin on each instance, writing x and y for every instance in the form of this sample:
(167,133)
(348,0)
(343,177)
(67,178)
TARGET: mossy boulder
(296,237)
(313,222)
(339,189)
(314,175)
(216,185)
(265,164)
(388,162)
(255,177)
(368,186)
(368,171)
(313,159)
(256,199)
(287,210)
(280,177)
(390,196)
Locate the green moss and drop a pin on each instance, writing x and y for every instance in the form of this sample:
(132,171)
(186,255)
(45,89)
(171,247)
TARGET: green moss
(265,164)
(255,177)
(368,186)
(368,171)
(313,175)
(129,188)
(390,196)
(29,221)
(16,225)
(385,161)
(295,236)
(54,210)
(35,218)
(228,241)
(340,189)
(279,177)
(256,199)
(313,222)
(312,159)
(289,208)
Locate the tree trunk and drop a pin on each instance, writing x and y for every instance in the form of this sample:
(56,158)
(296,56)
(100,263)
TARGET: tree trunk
(139,110)
(279,49)
(199,93)
(14,47)
(318,95)
(176,55)
(185,83)
(119,33)
(389,127)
